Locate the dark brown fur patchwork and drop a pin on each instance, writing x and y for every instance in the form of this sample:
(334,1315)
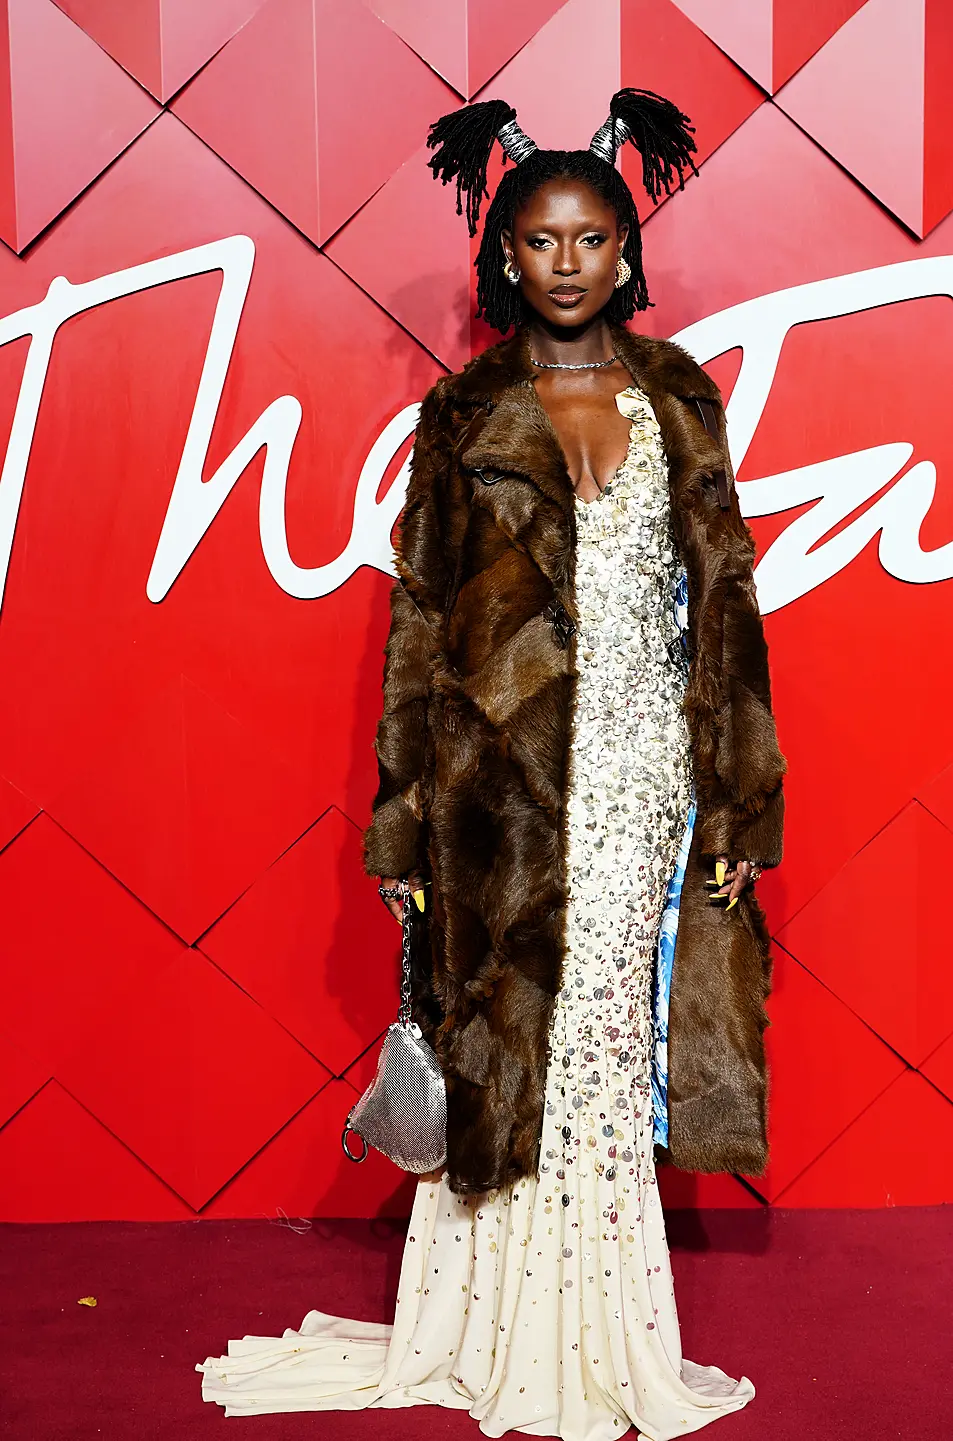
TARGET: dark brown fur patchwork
(475,749)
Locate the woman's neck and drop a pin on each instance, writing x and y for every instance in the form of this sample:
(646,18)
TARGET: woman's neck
(570,346)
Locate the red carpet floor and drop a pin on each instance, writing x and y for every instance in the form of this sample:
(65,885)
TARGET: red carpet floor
(842,1319)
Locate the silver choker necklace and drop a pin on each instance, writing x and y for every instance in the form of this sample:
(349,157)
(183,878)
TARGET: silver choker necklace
(587,365)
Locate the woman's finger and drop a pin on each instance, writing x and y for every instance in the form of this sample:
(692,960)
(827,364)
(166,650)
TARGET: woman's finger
(416,882)
(742,880)
(725,874)
(737,887)
(393,903)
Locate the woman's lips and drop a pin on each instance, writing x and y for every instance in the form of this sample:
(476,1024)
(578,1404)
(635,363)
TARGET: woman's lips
(566,299)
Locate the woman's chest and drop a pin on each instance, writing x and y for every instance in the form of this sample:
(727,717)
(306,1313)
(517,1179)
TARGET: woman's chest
(591,433)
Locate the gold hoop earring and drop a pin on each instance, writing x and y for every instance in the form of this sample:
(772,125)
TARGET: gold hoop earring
(511,272)
(623,273)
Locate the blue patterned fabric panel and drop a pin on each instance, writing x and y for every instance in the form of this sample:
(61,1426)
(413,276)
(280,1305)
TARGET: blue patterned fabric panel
(668,930)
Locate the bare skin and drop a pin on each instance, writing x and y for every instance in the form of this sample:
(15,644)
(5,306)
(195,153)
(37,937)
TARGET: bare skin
(566,242)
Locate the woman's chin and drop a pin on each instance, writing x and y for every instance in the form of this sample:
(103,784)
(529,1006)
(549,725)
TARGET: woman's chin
(567,317)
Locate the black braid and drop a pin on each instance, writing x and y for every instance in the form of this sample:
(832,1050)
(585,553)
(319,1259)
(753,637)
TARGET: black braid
(465,138)
(662,134)
(500,303)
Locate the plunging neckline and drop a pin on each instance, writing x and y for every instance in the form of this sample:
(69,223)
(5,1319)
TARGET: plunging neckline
(626,390)
(611,482)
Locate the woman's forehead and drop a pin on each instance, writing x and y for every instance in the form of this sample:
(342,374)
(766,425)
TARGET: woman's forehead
(565,201)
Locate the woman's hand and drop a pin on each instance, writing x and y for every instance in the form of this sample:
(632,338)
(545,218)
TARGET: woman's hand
(732,880)
(393,903)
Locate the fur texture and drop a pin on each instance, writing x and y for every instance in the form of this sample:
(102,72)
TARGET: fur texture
(474,750)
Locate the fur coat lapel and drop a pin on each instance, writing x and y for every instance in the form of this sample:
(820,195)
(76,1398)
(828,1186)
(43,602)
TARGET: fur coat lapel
(473,747)
(518,435)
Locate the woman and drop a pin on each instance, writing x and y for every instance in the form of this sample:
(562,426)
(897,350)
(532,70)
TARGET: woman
(557,775)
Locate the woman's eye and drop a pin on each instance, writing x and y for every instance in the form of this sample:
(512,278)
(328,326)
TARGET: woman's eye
(594,240)
(536,242)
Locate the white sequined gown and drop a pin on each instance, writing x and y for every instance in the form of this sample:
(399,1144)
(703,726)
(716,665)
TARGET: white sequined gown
(548,1307)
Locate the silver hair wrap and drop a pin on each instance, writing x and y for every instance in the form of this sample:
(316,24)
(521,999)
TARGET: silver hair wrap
(516,144)
(609,138)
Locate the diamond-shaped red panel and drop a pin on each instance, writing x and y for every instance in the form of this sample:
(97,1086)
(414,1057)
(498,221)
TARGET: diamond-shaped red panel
(938,1067)
(742,28)
(769,38)
(16,811)
(74,942)
(185,806)
(564,116)
(898,1153)
(304,1171)
(437,305)
(361,1072)
(902,152)
(59,1164)
(82,648)
(936,796)
(193,1076)
(663,51)
(66,111)
(162,42)
(800,30)
(316,103)
(886,955)
(466,41)
(21,1076)
(824,1067)
(312,942)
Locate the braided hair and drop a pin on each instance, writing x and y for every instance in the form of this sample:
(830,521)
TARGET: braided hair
(463,141)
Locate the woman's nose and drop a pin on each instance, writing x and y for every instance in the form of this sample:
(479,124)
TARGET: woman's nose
(564,261)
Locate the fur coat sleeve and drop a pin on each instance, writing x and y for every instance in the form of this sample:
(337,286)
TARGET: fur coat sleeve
(394,841)
(739,766)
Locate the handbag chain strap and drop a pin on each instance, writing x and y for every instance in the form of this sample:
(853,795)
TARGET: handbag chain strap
(402,889)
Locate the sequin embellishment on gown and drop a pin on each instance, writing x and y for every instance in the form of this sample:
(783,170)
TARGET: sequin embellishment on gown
(548,1307)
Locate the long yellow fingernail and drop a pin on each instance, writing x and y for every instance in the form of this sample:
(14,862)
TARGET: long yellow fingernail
(720,869)
(732,902)
(419,898)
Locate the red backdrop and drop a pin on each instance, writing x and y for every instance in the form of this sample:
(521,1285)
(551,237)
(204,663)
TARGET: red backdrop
(227,279)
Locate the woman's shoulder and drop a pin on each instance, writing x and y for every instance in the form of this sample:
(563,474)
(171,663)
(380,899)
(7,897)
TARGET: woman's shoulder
(666,365)
(492,369)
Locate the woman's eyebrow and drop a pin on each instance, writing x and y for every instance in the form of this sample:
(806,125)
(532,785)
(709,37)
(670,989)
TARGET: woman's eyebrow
(579,230)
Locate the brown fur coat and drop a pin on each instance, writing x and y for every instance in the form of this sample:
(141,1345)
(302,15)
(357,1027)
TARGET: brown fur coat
(473,748)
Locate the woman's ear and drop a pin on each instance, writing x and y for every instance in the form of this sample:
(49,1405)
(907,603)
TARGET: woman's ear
(623,237)
(508,245)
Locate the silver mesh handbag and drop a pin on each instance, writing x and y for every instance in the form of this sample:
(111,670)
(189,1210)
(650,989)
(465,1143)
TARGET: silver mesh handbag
(403,1112)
